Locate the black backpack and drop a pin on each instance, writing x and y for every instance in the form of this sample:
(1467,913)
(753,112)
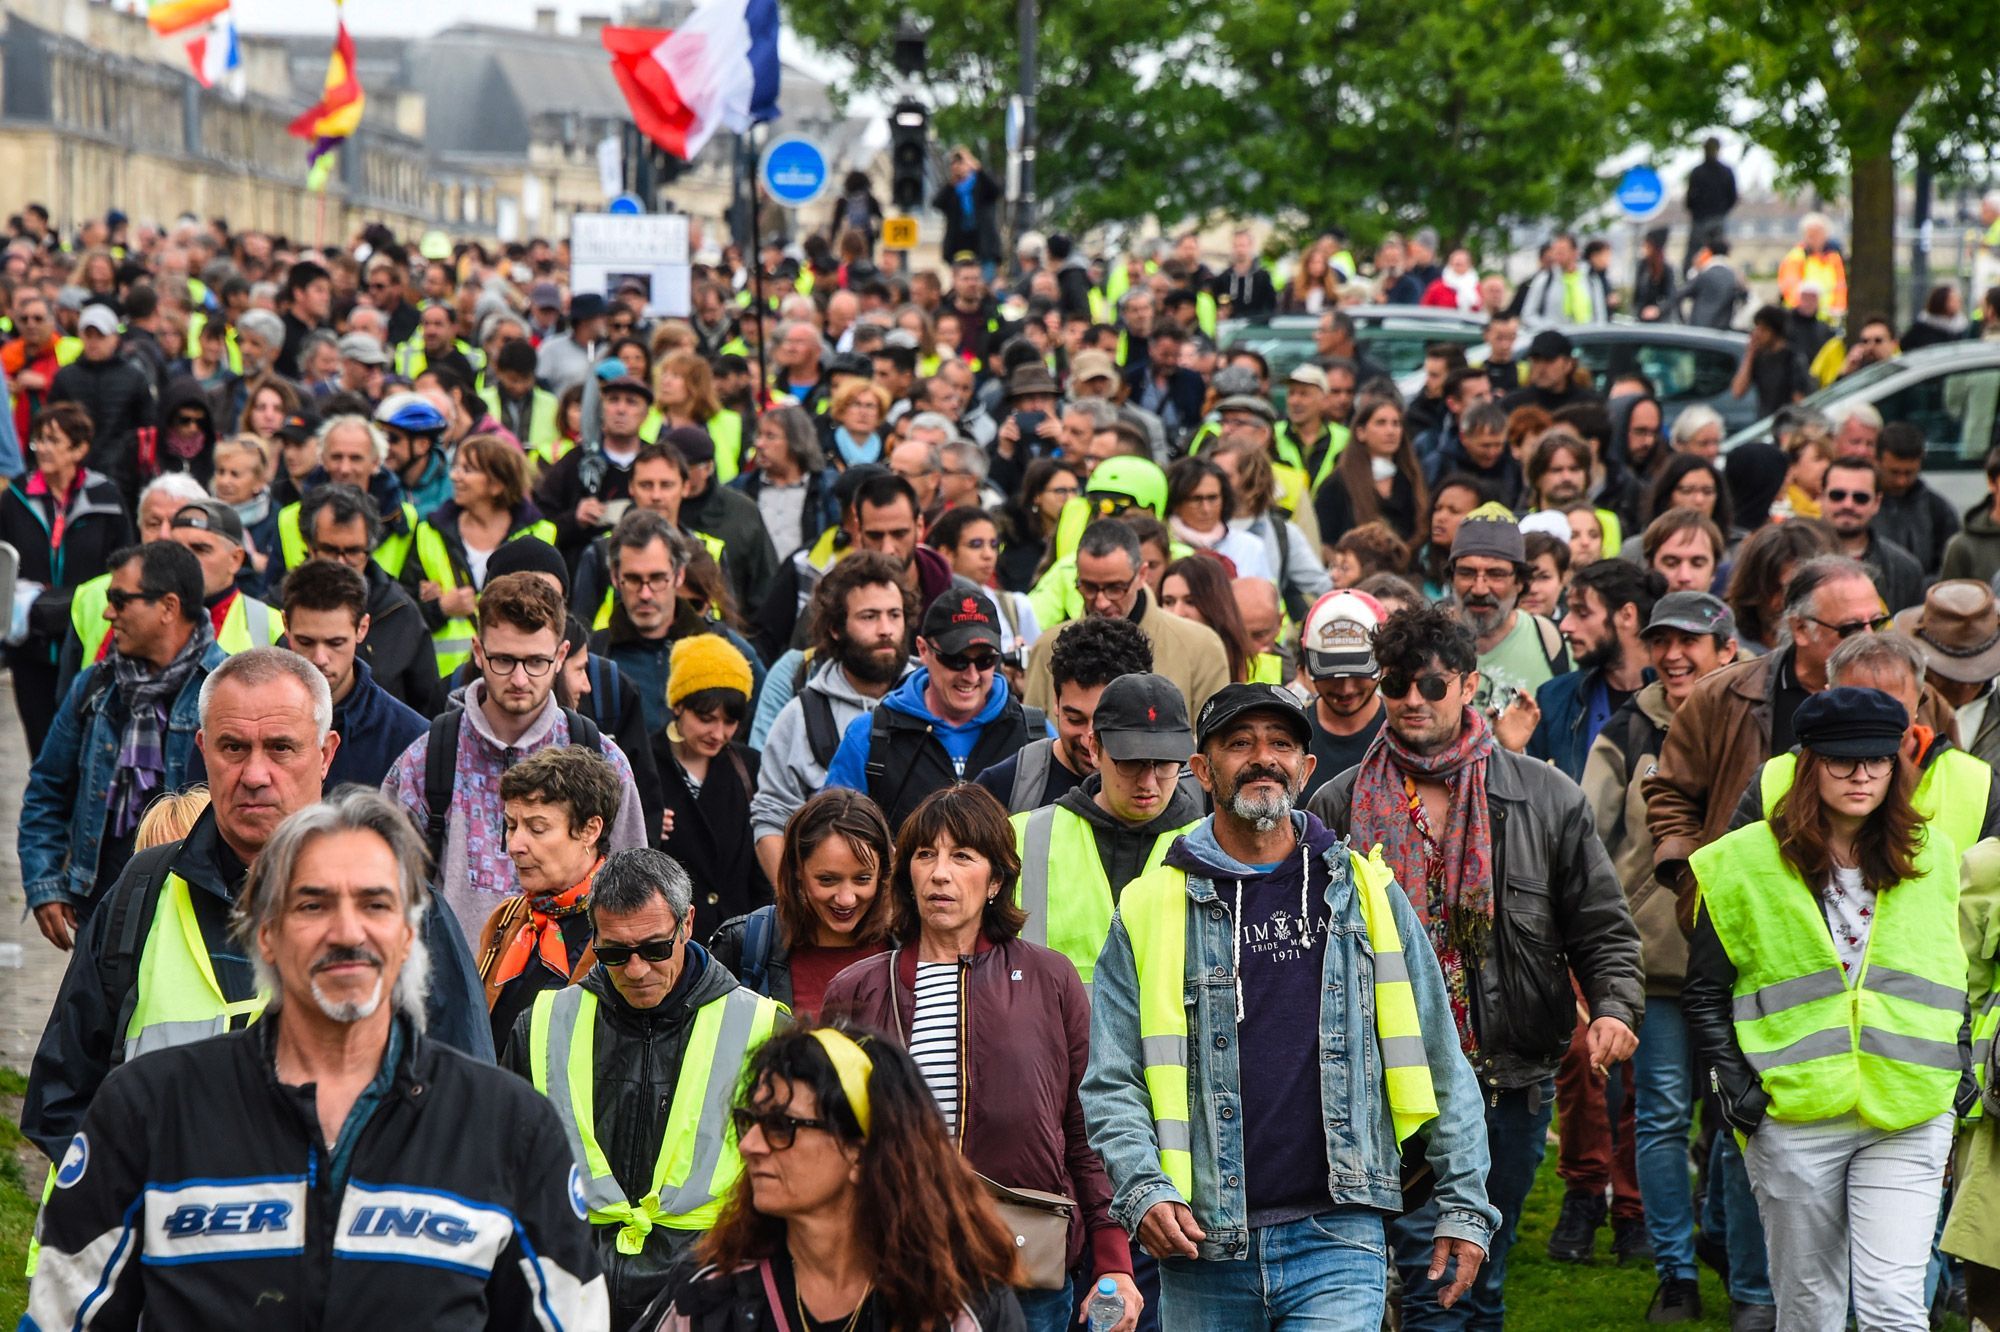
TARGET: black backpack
(441,769)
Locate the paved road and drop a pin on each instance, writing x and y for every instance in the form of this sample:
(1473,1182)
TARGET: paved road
(30,969)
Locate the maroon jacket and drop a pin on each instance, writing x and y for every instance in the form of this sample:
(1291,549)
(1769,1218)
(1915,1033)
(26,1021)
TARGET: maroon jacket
(1020,1120)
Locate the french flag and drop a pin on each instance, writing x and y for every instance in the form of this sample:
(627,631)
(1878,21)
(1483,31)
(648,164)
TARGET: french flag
(718,70)
(217,57)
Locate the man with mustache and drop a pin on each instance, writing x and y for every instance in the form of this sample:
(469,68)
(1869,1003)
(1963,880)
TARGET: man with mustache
(1519,651)
(136,983)
(1502,864)
(860,615)
(1261,935)
(319,1161)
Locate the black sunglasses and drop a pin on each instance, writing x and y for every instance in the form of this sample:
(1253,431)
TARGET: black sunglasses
(780,1129)
(1880,624)
(1432,687)
(1857,496)
(119,599)
(954,661)
(653,950)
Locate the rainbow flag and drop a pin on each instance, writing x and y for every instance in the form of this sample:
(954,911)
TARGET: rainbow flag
(338,112)
(167,17)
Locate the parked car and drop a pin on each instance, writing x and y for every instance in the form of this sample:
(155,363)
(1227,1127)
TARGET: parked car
(1392,336)
(1949,391)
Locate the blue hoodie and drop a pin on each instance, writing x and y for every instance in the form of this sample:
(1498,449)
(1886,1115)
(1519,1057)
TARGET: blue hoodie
(850,762)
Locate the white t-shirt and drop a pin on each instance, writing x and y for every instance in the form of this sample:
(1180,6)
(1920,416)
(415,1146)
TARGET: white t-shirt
(1850,913)
(934,1035)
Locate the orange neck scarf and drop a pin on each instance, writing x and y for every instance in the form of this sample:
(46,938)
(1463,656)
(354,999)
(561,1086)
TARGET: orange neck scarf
(541,934)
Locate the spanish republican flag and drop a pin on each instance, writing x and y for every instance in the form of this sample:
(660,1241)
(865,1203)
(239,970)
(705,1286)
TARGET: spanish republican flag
(167,17)
(338,112)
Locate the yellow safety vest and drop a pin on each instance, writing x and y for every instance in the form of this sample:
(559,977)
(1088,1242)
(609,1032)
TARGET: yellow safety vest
(86,613)
(1951,794)
(1057,846)
(1980,871)
(1155,913)
(177,1000)
(602,620)
(454,639)
(249,623)
(412,361)
(1886,1047)
(392,554)
(725,430)
(544,441)
(697,1164)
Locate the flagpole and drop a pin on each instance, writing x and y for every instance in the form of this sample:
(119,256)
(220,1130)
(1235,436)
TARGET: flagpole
(757,283)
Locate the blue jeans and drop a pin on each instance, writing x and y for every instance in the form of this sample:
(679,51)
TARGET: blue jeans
(1730,1214)
(1663,1081)
(1324,1273)
(1517,1130)
(1048,1310)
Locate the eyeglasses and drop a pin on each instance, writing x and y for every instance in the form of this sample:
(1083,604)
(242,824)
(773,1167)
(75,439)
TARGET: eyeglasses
(502,665)
(1875,626)
(118,599)
(1862,767)
(1432,687)
(956,661)
(1474,577)
(655,583)
(1063,492)
(344,554)
(653,950)
(1213,497)
(1862,497)
(780,1130)
(1092,591)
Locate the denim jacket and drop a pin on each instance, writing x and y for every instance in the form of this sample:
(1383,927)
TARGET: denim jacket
(69,787)
(1363,1162)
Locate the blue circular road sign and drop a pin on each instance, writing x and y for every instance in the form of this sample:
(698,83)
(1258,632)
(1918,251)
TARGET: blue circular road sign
(1640,193)
(625,205)
(795,172)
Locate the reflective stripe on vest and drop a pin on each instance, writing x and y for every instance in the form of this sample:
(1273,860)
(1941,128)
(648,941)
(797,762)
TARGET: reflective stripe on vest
(178,1001)
(453,639)
(1951,795)
(1058,846)
(1887,1046)
(697,1163)
(391,555)
(249,623)
(1154,910)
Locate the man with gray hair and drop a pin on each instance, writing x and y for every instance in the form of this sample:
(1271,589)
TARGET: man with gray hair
(137,983)
(448,1223)
(657,1022)
(964,474)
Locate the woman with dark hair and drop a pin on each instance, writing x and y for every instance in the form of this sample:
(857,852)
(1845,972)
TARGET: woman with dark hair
(832,908)
(1456,495)
(1196,587)
(1047,485)
(1943,319)
(1200,502)
(1294,561)
(1756,474)
(999,1028)
(852,1212)
(1688,482)
(1377,478)
(1764,564)
(969,537)
(707,777)
(1826,991)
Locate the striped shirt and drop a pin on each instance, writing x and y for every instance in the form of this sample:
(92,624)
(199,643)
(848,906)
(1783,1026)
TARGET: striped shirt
(934,1035)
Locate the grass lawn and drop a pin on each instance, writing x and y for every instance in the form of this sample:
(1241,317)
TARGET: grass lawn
(17,1201)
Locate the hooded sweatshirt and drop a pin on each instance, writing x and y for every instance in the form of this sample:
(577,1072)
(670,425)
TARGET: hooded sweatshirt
(789,776)
(850,762)
(1122,848)
(1279,920)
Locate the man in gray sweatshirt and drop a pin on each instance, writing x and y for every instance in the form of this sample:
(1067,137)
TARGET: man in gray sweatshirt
(860,626)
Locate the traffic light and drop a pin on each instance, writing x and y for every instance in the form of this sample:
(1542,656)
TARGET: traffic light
(909,153)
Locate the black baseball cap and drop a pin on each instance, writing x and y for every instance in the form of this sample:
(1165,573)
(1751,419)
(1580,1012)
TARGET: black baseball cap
(299,427)
(1143,716)
(210,515)
(961,619)
(1548,345)
(1692,613)
(1230,702)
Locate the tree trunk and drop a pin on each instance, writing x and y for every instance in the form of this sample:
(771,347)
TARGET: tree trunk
(1871,261)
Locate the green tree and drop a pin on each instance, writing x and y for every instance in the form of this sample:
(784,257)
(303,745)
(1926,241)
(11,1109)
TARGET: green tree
(1841,90)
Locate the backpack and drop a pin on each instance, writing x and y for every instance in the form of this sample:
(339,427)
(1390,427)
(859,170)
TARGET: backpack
(441,769)
(131,919)
(1031,775)
(760,932)
(822,731)
(1034,720)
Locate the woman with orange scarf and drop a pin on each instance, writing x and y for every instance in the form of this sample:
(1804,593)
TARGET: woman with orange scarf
(559,805)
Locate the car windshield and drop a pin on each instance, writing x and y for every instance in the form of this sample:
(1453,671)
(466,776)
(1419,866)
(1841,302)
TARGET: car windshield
(1858,382)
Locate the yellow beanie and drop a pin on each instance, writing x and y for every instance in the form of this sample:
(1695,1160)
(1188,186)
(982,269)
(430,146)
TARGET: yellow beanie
(705,661)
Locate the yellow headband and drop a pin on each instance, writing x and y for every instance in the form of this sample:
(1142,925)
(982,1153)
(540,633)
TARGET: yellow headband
(852,1066)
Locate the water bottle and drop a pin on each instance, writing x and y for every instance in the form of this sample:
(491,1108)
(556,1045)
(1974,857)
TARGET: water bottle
(1106,1306)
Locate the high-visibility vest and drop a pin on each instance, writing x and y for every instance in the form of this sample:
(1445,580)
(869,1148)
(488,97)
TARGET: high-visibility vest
(544,441)
(602,620)
(1284,449)
(392,554)
(1886,1048)
(1951,794)
(453,639)
(1204,312)
(1155,912)
(1980,871)
(177,1000)
(86,610)
(249,623)
(697,1165)
(1057,846)
(1337,436)
(1614,533)
(1267,668)
(725,429)
(198,321)
(412,361)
